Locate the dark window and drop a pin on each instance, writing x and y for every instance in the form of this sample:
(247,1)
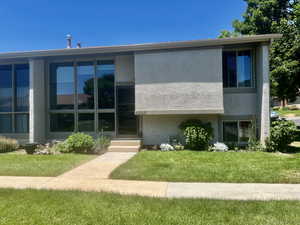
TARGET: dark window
(85,85)
(22,123)
(237,69)
(230,131)
(106,84)
(86,122)
(62,86)
(5,123)
(106,121)
(245,129)
(6,88)
(127,121)
(62,122)
(22,87)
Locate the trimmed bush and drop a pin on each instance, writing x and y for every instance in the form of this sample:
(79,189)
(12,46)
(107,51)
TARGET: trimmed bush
(101,143)
(8,145)
(283,133)
(79,143)
(197,134)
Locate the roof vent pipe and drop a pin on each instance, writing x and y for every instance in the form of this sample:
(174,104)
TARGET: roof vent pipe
(69,41)
(79,45)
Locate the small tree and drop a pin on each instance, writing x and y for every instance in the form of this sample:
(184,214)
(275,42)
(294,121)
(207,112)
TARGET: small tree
(197,134)
(283,133)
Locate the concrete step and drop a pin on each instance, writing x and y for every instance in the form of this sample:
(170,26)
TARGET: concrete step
(123,148)
(125,143)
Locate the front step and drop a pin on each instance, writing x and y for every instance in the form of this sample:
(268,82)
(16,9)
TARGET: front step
(120,145)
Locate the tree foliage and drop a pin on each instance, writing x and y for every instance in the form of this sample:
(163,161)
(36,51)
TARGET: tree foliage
(276,16)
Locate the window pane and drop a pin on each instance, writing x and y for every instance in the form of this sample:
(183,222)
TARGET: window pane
(106,121)
(6,88)
(62,122)
(230,132)
(22,87)
(106,84)
(245,131)
(85,85)
(86,122)
(62,86)
(22,123)
(5,123)
(229,69)
(244,68)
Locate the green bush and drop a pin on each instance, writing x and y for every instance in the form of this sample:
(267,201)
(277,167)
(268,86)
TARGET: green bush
(297,133)
(79,143)
(197,134)
(101,143)
(8,145)
(283,133)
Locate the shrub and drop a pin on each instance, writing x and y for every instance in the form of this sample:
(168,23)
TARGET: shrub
(79,143)
(101,143)
(197,134)
(283,133)
(8,145)
(166,147)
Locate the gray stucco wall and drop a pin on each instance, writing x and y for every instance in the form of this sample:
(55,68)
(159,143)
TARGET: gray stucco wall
(37,101)
(240,103)
(158,128)
(124,68)
(179,82)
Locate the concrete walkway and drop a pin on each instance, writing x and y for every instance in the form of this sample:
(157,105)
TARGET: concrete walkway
(93,176)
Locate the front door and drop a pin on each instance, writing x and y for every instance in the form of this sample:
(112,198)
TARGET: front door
(127,121)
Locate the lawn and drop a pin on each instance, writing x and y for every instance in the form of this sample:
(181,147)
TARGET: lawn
(284,112)
(197,166)
(39,165)
(31,207)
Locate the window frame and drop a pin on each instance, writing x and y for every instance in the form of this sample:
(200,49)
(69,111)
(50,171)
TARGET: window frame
(238,126)
(253,67)
(75,109)
(13,111)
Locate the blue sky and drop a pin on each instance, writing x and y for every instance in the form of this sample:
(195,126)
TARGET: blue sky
(43,24)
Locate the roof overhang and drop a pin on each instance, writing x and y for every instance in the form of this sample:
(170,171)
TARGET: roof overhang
(142,47)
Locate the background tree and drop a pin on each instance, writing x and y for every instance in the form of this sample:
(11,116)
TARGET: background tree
(276,16)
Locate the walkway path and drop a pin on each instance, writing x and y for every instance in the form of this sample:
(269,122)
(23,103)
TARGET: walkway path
(93,176)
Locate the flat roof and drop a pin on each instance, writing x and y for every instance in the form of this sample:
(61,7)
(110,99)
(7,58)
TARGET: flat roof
(142,47)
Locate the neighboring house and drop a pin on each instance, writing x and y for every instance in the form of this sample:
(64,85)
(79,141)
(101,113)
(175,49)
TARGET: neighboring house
(138,91)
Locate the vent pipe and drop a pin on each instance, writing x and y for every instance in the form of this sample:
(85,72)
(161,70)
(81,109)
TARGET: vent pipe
(69,41)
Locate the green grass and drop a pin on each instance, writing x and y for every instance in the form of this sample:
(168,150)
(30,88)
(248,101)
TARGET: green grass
(197,166)
(39,165)
(32,207)
(284,112)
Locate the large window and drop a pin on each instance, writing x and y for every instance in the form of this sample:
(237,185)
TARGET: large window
(106,84)
(14,98)
(85,85)
(82,96)
(237,131)
(62,86)
(237,69)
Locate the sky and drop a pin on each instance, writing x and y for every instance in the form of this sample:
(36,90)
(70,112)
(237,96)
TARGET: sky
(44,24)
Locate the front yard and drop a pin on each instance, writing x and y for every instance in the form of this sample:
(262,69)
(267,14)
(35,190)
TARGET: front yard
(39,165)
(30,207)
(196,166)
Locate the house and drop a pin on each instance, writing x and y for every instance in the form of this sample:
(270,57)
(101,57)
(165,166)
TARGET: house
(138,91)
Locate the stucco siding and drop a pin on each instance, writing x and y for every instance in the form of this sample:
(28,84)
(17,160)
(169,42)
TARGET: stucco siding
(158,129)
(240,103)
(179,82)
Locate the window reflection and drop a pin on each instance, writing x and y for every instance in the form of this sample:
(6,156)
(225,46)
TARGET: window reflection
(244,68)
(6,88)
(62,122)
(106,121)
(62,86)
(106,82)
(22,87)
(86,122)
(5,123)
(85,85)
